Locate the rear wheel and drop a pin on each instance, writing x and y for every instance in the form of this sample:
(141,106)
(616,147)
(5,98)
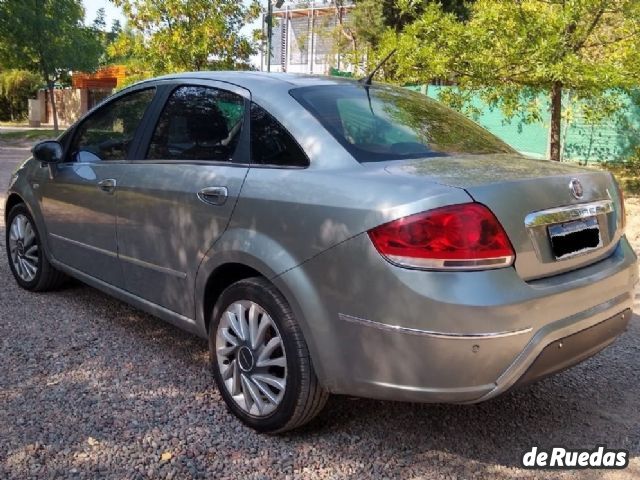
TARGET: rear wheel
(27,261)
(260,360)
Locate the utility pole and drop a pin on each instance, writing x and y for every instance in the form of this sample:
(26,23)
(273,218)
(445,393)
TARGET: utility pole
(269,20)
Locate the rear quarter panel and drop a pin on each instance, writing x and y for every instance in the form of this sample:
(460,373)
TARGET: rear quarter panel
(284,217)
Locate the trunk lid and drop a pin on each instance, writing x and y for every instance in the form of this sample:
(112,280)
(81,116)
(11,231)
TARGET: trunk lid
(528,197)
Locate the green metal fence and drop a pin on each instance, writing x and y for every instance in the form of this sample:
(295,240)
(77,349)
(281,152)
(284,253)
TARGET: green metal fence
(612,140)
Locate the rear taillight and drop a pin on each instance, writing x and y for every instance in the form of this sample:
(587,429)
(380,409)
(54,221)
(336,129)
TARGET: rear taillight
(458,237)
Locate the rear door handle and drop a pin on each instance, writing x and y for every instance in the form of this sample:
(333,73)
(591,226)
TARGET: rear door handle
(107,185)
(214,195)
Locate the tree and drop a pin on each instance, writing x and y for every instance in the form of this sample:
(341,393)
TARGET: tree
(106,37)
(397,14)
(116,28)
(179,35)
(512,52)
(363,33)
(47,37)
(99,23)
(125,50)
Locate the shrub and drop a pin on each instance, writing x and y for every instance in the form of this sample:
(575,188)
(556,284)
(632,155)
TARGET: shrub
(16,87)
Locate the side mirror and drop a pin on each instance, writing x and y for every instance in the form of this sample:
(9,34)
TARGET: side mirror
(48,151)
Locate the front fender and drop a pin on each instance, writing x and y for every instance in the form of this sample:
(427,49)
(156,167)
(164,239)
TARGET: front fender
(22,184)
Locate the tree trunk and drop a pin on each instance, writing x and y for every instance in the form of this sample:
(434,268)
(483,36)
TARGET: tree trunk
(555,143)
(53,107)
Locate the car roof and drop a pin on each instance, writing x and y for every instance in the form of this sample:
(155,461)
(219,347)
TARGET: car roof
(253,79)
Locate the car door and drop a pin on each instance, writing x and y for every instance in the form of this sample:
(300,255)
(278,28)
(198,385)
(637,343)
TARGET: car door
(79,196)
(176,199)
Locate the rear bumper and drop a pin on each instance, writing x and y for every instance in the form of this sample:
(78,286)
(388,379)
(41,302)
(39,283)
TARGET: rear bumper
(554,348)
(573,349)
(395,334)
(549,354)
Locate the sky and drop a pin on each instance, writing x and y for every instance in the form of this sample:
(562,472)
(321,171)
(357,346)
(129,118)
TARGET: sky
(110,10)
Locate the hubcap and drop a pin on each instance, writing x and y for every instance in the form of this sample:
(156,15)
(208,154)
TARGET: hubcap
(23,248)
(245,359)
(251,358)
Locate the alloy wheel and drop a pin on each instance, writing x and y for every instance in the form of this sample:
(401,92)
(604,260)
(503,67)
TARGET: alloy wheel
(251,358)
(23,248)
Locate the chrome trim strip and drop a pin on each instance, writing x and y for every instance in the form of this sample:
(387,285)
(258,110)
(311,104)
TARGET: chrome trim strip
(566,214)
(445,391)
(152,266)
(430,333)
(84,245)
(450,265)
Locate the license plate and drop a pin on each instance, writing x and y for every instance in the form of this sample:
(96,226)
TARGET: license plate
(575,238)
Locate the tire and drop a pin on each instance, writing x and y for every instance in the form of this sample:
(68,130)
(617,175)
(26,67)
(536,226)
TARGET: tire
(283,409)
(45,277)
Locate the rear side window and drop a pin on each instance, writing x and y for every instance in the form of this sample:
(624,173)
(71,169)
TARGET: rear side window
(107,133)
(271,144)
(378,123)
(198,123)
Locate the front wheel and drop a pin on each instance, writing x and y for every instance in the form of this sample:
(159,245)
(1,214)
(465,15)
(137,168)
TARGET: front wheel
(27,260)
(260,360)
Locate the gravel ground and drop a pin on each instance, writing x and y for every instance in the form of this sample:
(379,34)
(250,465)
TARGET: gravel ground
(91,388)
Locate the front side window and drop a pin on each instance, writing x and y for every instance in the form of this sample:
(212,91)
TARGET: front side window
(198,123)
(271,144)
(377,123)
(107,133)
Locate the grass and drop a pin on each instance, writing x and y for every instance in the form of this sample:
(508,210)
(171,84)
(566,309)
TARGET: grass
(14,123)
(27,135)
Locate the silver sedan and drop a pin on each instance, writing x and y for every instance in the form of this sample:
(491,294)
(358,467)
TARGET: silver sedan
(327,236)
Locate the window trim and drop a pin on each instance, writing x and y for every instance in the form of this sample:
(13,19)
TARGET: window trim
(110,101)
(152,124)
(295,140)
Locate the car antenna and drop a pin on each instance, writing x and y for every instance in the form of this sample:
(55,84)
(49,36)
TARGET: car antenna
(369,78)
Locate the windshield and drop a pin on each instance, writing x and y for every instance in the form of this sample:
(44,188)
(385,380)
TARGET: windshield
(378,123)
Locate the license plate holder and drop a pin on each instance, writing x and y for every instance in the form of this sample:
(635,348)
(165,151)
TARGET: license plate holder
(574,238)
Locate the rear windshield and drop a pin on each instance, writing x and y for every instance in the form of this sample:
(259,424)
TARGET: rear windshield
(378,123)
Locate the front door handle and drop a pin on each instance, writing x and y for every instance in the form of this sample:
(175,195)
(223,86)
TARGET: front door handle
(107,185)
(214,195)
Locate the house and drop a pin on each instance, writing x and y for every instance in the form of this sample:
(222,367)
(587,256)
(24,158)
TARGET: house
(87,90)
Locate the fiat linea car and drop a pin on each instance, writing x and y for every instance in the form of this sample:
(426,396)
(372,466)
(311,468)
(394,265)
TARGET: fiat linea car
(327,236)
